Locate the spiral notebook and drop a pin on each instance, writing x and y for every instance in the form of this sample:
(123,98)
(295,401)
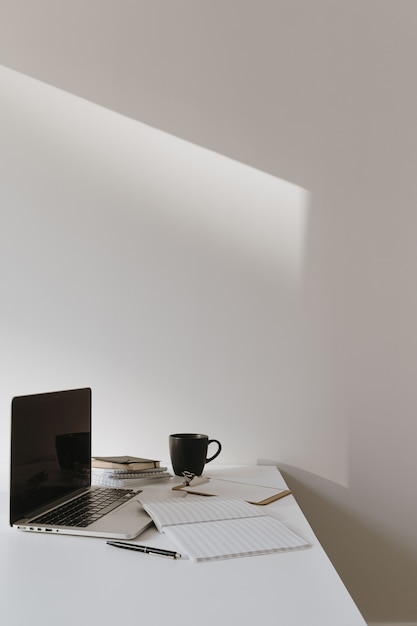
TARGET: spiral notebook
(121,479)
(207,529)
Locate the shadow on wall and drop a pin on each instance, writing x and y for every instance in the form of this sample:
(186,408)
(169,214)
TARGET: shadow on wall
(356,550)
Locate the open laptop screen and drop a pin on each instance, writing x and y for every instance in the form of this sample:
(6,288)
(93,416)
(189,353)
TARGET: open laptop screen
(50,448)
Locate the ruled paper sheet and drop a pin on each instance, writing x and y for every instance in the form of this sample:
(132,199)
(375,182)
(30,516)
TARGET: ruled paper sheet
(227,539)
(192,508)
(211,528)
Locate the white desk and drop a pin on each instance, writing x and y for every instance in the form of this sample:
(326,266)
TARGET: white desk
(58,579)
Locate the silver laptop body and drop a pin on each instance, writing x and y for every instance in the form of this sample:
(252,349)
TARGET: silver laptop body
(51,471)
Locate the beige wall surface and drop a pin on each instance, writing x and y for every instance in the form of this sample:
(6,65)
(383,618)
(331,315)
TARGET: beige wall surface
(208,214)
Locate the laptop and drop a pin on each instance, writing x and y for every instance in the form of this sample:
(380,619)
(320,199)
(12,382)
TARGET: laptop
(50,474)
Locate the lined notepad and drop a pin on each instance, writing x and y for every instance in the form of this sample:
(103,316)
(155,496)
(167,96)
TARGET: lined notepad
(123,479)
(208,529)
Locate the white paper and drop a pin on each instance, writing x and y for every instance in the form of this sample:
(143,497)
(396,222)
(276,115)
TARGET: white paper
(226,539)
(192,509)
(265,475)
(233,489)
(209,528)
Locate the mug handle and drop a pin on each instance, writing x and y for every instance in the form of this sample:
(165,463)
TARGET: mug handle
(217,451)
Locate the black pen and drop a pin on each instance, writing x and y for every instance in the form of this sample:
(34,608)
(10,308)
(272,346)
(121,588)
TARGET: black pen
(145,549)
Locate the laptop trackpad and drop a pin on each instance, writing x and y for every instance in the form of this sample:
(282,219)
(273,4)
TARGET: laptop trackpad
(129,520)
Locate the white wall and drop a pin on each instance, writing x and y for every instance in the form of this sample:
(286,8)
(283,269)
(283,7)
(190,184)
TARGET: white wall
(186,300)
(164,275)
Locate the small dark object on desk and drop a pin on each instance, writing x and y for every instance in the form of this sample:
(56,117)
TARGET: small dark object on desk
(145,549)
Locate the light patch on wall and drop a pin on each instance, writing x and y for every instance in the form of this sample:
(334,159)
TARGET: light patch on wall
(235,206)
(252,212)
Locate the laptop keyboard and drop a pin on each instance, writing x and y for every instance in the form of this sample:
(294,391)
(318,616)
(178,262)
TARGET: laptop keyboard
(86,509)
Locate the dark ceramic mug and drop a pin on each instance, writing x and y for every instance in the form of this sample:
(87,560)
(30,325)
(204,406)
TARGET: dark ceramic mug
(189,452)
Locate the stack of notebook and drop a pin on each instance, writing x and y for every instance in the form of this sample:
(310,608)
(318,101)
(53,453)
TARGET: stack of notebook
(125,471)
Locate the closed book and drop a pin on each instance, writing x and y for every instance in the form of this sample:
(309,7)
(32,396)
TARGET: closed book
(126,463)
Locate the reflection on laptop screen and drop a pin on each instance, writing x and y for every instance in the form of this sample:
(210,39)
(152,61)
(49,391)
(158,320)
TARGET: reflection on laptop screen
(50,448)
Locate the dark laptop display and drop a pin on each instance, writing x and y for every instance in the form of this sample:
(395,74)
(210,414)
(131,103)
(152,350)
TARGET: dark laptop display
(50,472)
(50,449)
